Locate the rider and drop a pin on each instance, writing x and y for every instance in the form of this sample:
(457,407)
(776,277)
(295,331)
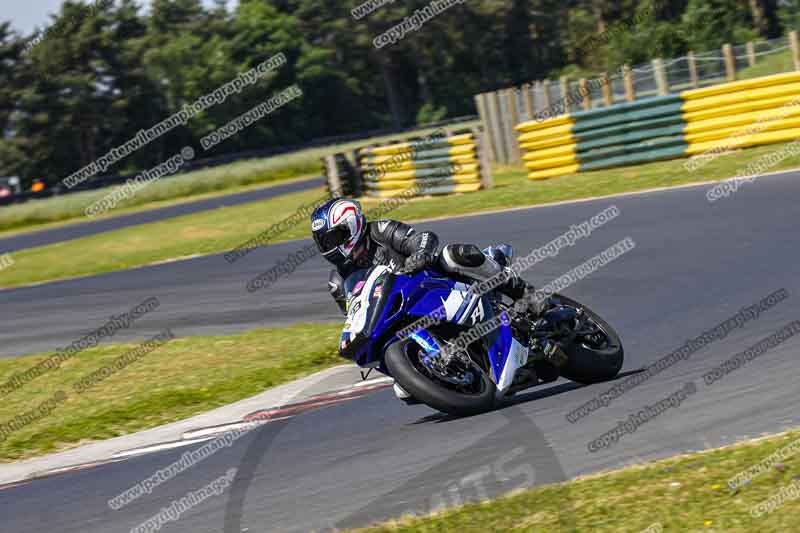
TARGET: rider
(345,238)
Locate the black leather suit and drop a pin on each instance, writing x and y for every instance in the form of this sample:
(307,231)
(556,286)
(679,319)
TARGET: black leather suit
(389,243)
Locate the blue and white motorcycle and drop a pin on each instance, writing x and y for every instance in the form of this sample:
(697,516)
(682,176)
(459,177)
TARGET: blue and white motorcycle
(414,329)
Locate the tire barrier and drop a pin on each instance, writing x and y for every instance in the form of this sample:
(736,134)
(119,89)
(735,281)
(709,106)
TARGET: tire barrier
(636,132)
(699,121)
(434,165)
(742,114)
(341,176)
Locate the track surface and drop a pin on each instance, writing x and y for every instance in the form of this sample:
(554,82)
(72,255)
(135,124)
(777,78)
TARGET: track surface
(694,266)
(86,229)
(690,255)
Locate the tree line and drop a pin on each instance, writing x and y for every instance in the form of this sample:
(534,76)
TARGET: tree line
(102,71)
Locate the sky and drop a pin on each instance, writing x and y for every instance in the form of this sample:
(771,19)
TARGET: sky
(25,15)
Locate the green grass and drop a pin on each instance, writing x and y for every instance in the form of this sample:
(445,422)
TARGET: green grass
(201,233)
(155,204)
(236,176)
(182,378)
(40,214)
(686,494)
(223,229)
(768,65)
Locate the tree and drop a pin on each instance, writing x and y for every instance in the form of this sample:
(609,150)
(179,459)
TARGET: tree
(102,71)
(66,105)
(765,17)
(11,63)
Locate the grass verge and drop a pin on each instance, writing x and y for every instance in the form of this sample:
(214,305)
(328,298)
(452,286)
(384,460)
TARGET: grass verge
(229,178)
(687,493)
(182,378)
(148,206)
(768,65)
(202,233)
(222,229)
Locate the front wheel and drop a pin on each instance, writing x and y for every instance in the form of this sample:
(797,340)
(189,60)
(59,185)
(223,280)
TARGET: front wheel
(407,368)
(596,353)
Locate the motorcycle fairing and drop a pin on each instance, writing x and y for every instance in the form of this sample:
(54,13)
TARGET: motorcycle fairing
(383,298)
(362,307)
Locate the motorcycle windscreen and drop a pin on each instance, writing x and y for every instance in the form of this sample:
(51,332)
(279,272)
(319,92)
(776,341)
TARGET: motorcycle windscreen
(365,303)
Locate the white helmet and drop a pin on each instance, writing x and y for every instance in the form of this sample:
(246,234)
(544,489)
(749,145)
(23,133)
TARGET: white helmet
(338,227)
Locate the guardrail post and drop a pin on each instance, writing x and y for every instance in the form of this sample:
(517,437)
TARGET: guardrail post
(356,177)
(497,127)
(630,90)
(564,85)
(527,99)
(793,42)
(693,78)
(608,95)
(730,62)
(586,95)
(333,179)
(751,53)
(661,77)
(513,120)
(480,103)
(545,86)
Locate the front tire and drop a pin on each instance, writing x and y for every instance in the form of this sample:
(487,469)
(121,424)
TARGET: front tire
(588,364)
(426,389)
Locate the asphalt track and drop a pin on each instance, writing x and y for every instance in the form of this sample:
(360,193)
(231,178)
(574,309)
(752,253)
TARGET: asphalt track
(86,229)
(694,266)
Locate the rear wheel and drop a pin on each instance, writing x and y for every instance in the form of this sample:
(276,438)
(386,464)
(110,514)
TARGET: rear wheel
(596,353)
(403,358)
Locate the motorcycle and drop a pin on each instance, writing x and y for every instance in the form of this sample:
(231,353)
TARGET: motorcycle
(420,330)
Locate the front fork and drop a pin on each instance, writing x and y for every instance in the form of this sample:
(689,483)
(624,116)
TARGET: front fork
(548,334)
(557,329)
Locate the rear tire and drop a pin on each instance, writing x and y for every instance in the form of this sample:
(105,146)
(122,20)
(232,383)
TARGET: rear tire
(431,393)
(586,365)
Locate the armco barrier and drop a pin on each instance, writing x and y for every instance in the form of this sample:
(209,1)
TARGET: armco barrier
(438,164)
(728,116)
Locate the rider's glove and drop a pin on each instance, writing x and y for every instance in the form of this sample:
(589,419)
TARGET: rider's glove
(416,263)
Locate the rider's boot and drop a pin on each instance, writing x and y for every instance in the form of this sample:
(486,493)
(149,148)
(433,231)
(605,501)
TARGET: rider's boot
(516,288)
(523,294)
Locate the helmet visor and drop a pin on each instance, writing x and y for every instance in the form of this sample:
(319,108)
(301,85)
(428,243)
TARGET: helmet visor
(332,238)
